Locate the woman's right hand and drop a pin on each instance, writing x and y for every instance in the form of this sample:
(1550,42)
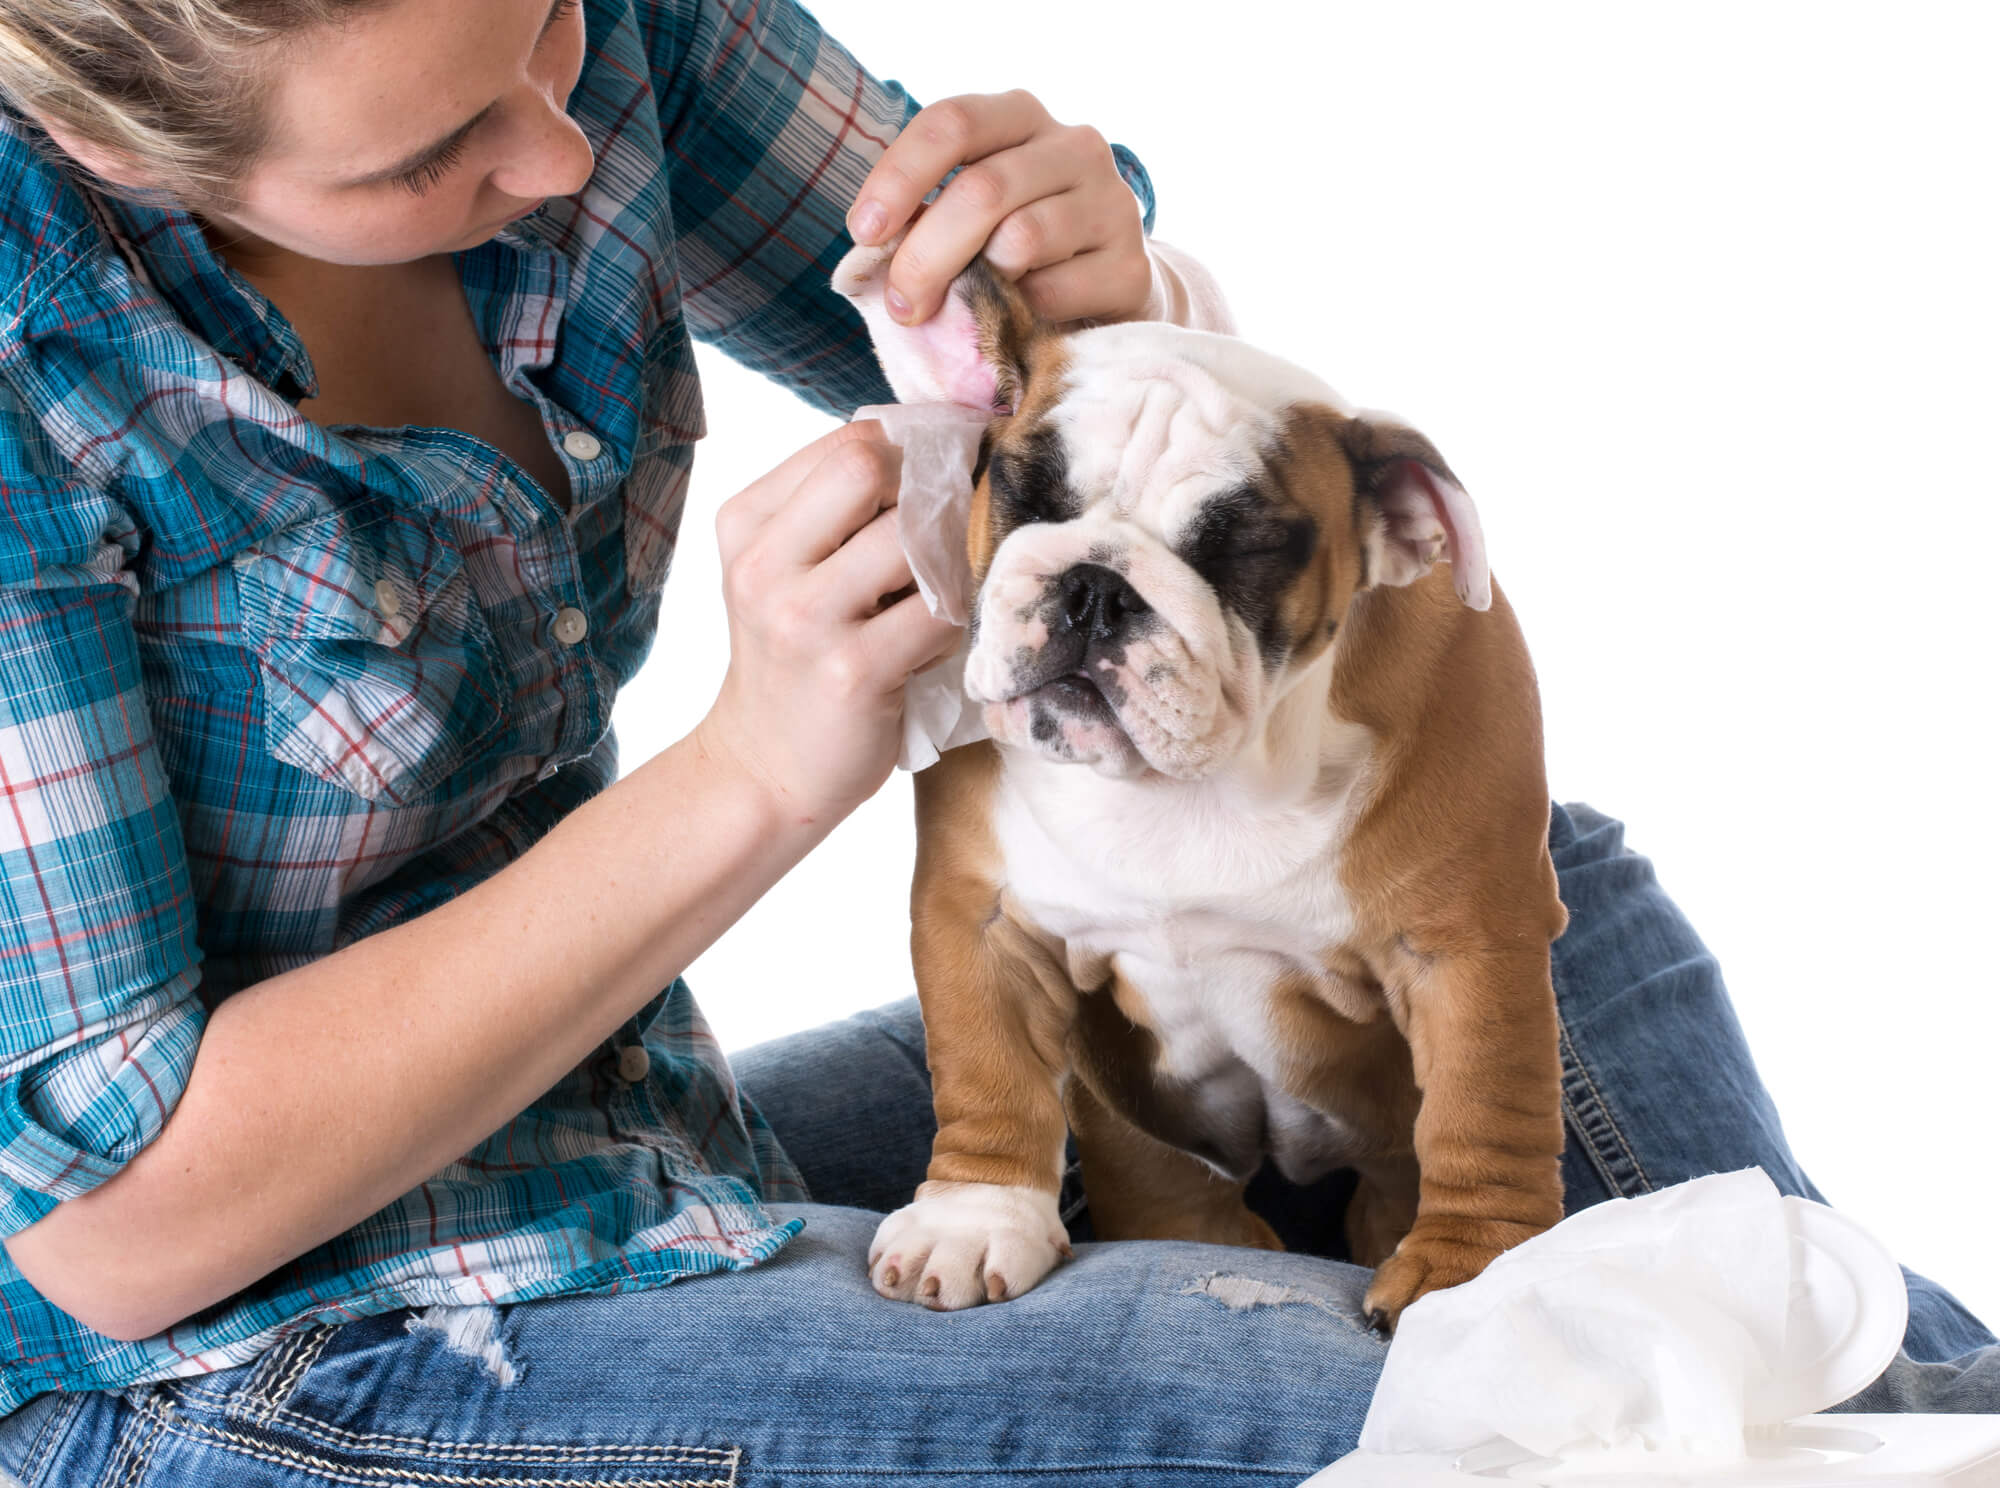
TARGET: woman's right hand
(824,626)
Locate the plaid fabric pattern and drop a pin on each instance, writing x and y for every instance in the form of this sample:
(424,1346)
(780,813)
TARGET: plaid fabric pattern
(271,688)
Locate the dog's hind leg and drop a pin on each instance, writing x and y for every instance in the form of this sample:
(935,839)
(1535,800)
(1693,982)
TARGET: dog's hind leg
(1381,1210)
(1140,1188)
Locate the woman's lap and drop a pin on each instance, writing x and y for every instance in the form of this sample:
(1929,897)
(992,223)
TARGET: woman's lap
(1128,1365)
(1658,1087)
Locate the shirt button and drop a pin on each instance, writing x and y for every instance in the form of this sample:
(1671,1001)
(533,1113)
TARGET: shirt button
(571,626)
(387,600)
(582,445)
(633,1064)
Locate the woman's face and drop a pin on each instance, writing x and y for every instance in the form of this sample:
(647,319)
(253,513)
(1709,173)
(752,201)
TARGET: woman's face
(418,127)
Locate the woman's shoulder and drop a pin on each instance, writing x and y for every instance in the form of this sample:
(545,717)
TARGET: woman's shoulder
(47,228)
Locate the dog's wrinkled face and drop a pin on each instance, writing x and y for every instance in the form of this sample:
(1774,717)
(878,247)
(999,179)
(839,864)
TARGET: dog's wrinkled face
(1168,525)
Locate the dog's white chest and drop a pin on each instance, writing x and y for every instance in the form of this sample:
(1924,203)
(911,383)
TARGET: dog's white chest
(1199,897)
(1176,887)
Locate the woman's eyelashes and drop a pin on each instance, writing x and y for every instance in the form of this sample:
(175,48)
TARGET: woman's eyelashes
(433,171)
(431,174)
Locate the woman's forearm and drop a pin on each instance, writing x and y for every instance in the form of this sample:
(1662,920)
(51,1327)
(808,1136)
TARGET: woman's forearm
(320,1096)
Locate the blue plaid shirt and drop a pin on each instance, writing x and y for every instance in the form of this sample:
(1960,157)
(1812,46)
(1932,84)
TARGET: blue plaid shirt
(271,688)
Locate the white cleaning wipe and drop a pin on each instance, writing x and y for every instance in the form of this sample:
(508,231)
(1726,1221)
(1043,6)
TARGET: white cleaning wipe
(940,444)
(1660,1327)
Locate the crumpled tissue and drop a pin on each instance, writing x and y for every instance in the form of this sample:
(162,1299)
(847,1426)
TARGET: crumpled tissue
(1669,1325)
(940,444)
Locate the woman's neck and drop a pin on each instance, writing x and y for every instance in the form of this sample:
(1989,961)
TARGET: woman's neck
(271,267)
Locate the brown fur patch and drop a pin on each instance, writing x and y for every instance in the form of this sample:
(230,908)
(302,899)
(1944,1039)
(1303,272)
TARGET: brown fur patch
(1032,361)
(1359,1071)
(997,1001)
(1306,470)
(1456,901)
(1142,1188)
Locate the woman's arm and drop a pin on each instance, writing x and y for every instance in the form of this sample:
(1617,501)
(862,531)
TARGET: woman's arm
(321,1095)
(771,129)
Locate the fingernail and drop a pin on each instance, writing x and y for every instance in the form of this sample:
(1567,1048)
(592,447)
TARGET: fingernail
(898,306)
(869,220)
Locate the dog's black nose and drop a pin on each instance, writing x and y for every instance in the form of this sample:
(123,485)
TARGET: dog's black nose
(1097,601)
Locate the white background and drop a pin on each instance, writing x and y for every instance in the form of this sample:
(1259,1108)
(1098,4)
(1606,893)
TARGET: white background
(1699,300)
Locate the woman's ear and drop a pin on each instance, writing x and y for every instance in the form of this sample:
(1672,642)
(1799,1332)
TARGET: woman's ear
(973,351)
(114,167)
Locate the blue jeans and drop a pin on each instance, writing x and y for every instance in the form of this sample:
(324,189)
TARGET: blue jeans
(1123,1367)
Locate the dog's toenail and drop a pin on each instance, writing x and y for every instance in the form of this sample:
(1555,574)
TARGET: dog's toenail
(931,1286)
(1379,1321)
(996,1288)
(890,1276)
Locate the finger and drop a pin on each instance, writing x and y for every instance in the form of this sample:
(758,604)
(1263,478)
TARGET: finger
(851,583)
(908,637)
(750,508)
(947,134)
(1109,283)
(956,228)
(950,644)
(840,496)
(1042,233)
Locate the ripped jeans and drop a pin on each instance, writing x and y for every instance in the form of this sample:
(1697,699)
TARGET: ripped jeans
(1140,1363)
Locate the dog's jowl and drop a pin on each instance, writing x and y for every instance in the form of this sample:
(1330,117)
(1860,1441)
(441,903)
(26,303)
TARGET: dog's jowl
(1255,867)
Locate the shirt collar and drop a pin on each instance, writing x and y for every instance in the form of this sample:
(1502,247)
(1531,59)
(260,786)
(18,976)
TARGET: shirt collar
(169,251)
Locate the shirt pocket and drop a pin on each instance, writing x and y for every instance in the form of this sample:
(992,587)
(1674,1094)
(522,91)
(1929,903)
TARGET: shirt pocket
(378,670)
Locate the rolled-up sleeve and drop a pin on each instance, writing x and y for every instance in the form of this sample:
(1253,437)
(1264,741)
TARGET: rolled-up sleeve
(770,128)
(99,963)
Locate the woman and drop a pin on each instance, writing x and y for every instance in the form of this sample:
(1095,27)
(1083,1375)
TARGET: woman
(346,409)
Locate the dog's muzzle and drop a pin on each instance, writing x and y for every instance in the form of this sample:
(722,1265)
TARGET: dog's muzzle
(1113,654)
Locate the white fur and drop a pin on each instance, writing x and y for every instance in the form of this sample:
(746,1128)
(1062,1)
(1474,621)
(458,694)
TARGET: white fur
(1247,372)
(961,1244)
(1201,895)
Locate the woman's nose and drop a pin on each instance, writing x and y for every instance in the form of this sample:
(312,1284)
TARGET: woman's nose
(548,155)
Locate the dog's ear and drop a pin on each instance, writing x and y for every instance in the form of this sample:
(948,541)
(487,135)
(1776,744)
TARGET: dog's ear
(973,351)
(1413,510)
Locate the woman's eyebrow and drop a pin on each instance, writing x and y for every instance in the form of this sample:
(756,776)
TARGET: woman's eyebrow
(416,161)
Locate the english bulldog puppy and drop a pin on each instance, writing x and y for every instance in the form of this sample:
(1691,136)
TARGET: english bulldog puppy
(1255,865)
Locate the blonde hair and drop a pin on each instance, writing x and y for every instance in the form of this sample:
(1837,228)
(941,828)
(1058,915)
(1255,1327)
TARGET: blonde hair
(168,84)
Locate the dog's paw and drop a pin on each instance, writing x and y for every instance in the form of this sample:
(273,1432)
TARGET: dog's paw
(1429,1260)
(961,1244)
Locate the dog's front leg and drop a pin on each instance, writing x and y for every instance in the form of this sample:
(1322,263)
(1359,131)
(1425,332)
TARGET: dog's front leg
(998,1004)
(984,1227)
(1482,1032)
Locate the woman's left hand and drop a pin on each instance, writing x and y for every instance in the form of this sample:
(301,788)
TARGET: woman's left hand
(1043,200)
